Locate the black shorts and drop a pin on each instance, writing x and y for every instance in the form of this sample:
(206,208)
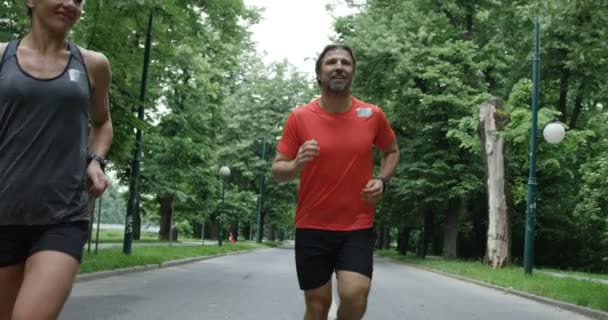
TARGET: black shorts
(17,243)
(320,252)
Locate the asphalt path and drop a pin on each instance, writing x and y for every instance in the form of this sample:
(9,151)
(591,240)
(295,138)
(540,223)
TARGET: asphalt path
(263,285)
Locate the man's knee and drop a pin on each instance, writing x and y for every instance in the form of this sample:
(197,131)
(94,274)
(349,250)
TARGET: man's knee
(353,287)
(318,303)
(354,297)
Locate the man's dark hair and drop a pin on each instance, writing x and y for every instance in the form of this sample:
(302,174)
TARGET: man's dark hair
(329,48)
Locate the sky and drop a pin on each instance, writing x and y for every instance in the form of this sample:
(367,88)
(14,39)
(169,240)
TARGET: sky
(296,30)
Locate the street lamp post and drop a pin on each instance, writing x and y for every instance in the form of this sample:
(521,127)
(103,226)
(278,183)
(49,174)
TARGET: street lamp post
(553,133)
(224,172)
(531,201)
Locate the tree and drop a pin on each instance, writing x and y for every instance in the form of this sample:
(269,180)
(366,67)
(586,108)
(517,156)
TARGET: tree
(416,66)
(261,99)
(180,152)
(492,119)
(431,63)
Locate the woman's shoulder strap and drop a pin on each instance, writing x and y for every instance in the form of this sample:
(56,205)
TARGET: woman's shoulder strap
(9,51)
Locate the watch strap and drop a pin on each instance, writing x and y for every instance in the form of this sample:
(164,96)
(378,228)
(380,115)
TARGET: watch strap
(102,161)
(384,182)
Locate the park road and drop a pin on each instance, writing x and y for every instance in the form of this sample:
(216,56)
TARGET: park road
(262,285)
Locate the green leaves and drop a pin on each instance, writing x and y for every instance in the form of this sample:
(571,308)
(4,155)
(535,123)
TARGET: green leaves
(430,64)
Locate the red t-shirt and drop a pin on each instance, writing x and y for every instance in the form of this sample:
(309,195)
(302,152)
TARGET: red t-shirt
(330,185)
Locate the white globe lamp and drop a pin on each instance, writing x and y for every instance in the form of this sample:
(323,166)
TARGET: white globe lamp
(225,171)
(554,132)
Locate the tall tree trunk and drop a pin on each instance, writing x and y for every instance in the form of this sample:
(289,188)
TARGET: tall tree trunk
(450,229)
(92,216)
(236,231)
(261,226)
(427,233)
(166,213)
(196,230)
(404,240)
(469,18)
(249,234)
(137,219)
(420,248)
(379,235)
(437,242)
(492,120)
(273,233)
(386,237)
(578,106)
(213,227)
(479,211)
(562,103)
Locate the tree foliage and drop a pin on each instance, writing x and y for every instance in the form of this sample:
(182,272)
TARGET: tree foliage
(210,102)
(430,63)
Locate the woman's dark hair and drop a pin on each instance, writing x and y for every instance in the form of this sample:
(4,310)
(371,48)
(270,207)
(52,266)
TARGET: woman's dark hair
(329,48)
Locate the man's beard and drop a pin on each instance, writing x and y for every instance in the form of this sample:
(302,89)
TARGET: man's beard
(337,86)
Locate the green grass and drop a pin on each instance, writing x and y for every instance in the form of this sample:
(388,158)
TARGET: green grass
(116,236)
(580,292)
(579,274)
(272,243)
(110,259)
(113,236)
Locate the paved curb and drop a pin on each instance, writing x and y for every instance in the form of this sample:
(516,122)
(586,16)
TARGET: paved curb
(84,277)
(596,314)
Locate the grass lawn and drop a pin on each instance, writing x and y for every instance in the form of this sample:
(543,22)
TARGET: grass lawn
(272,243)
(116,236)
(580,292)
(109,259)
(112,236)
(579,274)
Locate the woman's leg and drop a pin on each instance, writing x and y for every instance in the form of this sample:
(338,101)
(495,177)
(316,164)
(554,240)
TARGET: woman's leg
(10,281)
(50,270)
(47,284)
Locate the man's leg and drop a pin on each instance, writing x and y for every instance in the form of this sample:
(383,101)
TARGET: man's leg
(315,264)
(10,280)
(354,269)
(46,286)
(318,302)
(353,290)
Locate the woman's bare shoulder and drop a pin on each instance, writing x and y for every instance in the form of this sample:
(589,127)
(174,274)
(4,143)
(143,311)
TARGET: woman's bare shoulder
(2,48)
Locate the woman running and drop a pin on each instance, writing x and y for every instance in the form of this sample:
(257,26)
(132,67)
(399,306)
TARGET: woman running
(55,131)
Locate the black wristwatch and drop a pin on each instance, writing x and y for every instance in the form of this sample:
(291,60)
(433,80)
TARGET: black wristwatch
(384,183)
(102,161)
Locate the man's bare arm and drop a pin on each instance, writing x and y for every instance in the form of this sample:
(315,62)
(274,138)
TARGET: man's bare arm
(390,160)
(285,169)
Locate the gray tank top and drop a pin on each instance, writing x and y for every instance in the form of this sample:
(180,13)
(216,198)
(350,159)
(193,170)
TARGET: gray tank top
(43,142)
